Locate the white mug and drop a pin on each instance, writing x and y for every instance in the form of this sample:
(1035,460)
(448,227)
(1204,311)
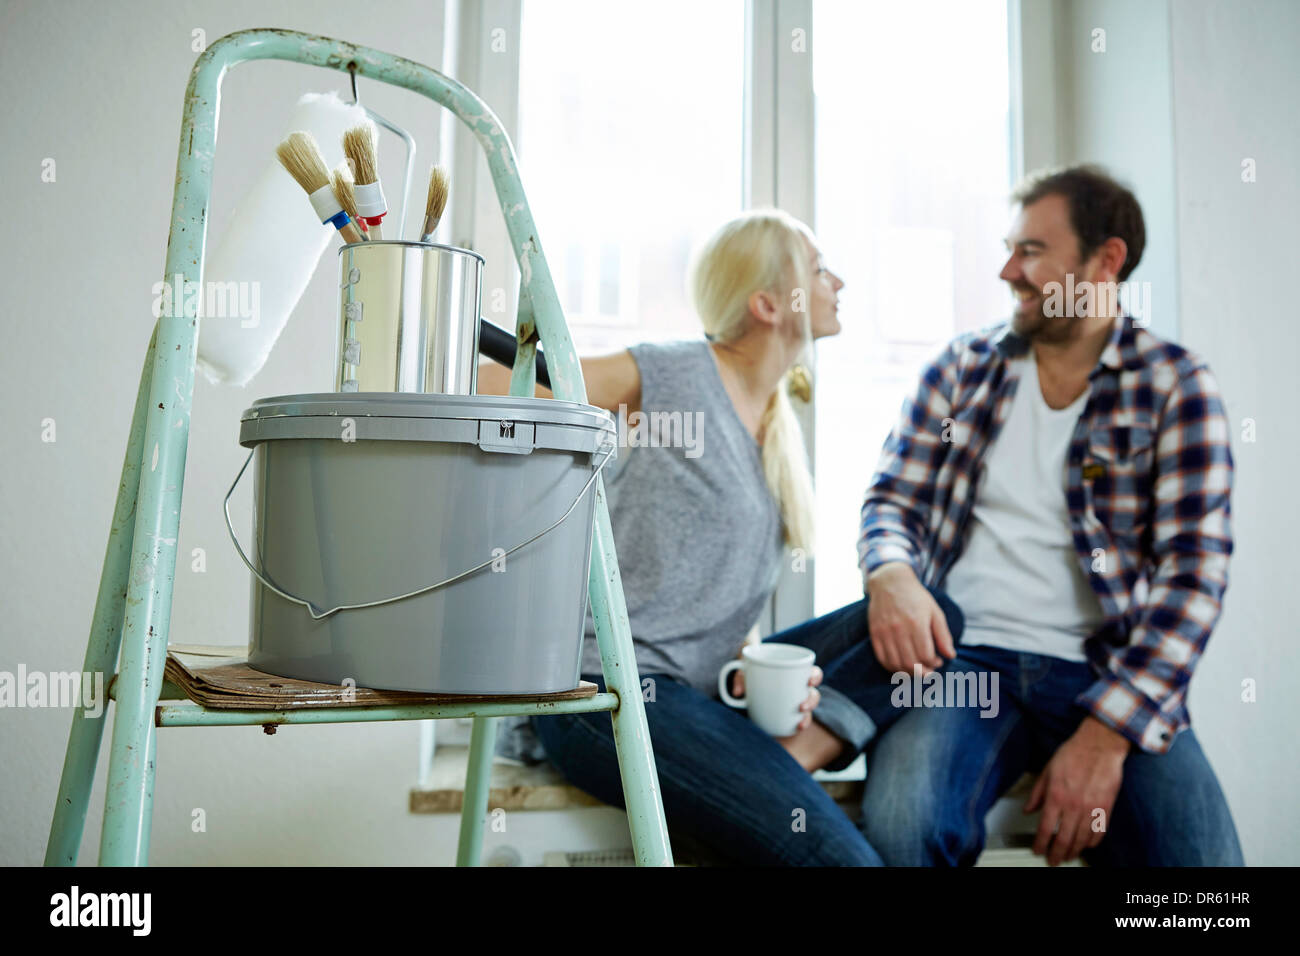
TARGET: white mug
(776,683)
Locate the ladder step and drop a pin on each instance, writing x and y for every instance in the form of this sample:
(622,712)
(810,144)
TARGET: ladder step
(214,686)
(186,713)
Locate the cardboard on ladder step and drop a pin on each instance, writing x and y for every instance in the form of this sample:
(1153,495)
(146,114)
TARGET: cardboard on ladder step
(218,677)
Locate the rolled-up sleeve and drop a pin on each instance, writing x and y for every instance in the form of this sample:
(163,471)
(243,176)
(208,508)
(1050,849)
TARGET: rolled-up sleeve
(896,509)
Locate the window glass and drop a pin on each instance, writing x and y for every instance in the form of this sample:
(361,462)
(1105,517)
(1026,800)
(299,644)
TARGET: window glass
(912,174)
(630,149)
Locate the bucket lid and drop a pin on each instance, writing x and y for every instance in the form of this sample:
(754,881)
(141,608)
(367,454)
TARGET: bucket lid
(494,422)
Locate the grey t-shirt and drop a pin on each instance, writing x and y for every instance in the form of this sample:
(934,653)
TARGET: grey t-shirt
(697,532)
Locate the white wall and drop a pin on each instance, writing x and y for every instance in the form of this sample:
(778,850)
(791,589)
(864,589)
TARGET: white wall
(1105,97)
(1183,93)
(99,88)
(1236,84)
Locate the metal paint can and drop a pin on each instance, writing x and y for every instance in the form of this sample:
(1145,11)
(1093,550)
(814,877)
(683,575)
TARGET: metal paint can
(408,318)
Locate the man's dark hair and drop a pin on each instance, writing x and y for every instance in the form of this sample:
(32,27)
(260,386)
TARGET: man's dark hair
(1099,208)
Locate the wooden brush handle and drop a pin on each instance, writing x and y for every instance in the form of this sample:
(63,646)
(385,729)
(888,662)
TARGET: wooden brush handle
(351,233)
(430,225)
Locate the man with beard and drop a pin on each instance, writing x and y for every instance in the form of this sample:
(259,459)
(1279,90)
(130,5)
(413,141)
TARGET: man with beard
(1065,478)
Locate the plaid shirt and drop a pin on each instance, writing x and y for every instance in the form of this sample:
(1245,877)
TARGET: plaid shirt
(1148,477)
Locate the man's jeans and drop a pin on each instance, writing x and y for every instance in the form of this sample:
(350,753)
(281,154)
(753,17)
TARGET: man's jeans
(939,769)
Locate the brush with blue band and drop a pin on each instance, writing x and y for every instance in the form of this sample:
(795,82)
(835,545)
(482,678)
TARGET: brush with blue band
(302,158)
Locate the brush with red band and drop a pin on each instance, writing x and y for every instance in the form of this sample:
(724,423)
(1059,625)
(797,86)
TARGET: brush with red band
(359,145)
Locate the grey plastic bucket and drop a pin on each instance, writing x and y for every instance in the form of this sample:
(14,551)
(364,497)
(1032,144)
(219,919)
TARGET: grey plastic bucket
(362,498)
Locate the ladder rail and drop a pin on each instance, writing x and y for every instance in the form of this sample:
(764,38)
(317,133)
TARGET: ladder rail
(169,380)
(86,734)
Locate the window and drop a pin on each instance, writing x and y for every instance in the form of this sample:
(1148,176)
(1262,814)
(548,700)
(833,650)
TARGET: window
(912,169)
(889,131)
(630,147)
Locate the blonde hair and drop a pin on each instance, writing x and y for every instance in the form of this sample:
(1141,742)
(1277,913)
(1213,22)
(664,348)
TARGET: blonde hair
(762,250)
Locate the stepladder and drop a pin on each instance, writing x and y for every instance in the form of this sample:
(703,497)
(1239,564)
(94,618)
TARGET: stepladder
(131,624)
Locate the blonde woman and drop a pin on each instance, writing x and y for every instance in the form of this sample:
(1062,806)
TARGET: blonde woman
(702,514)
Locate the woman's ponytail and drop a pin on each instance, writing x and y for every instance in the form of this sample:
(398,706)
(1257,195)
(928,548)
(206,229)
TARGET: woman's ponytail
(785,467)
(762,250)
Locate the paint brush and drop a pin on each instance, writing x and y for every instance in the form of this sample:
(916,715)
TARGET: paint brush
(359,145)
(345,193)
(435,204)
(302,158)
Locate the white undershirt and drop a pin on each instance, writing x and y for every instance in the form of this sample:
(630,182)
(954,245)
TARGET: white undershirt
(1018,581)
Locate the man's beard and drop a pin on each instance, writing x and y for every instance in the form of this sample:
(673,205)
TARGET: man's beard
(1038,326)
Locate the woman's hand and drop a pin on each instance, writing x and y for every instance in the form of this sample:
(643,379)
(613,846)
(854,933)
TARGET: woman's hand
(810,702)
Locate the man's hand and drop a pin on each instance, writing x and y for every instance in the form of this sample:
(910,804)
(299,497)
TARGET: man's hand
(1083,777)
(905,622)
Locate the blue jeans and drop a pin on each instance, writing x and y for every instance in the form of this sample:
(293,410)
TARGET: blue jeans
(725,783)
(939,770)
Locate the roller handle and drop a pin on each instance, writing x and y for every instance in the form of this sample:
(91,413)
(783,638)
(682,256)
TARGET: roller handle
(500,346)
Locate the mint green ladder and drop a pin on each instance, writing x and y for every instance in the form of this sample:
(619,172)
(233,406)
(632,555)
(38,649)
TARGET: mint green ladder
(133,607)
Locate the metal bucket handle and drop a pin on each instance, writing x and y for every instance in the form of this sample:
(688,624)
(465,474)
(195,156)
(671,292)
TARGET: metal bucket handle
(317,614)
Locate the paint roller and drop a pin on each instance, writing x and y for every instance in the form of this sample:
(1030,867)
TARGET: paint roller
(272,244)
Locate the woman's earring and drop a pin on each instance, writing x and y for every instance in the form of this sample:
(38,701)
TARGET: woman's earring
(800,384)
